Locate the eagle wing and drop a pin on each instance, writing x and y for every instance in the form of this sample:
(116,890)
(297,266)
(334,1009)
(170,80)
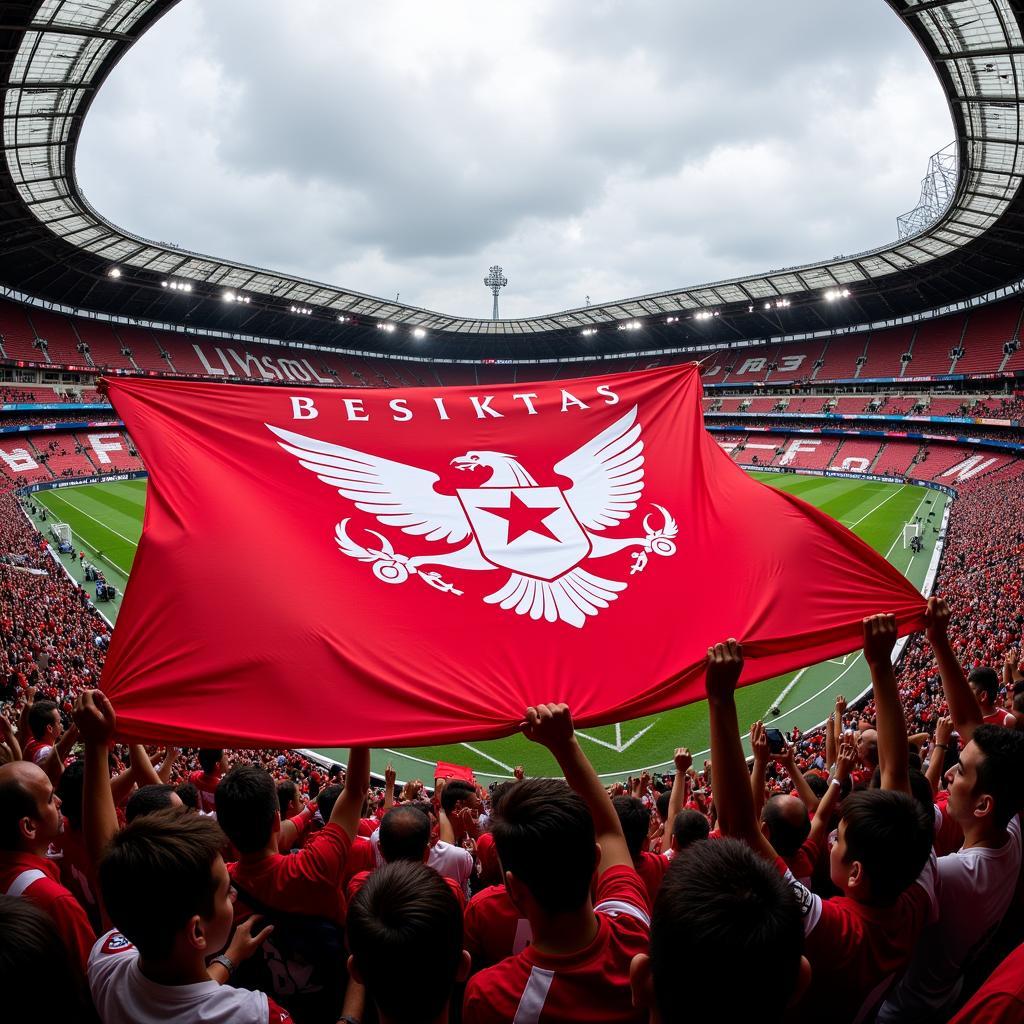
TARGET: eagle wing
(397,494)
(607,474)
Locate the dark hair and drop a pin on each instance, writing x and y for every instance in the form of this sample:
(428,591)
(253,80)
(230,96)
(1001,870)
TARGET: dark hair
(453,792)
(188,795)
(208,759)
(406,914)
(891,835)
(817,784)
(545,837)
(721,905)
(147,799)
(246,802)
(70,787)
(37,962)
(157,873)
(1001,769)
(635,820)
(689,827)
(16,802)
(328,798)
(786,836)
(404,833)
(986,680)
(40,715)
(661,804)
(286,791)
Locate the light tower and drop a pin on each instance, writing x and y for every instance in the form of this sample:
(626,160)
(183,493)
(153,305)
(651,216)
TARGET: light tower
(495,280)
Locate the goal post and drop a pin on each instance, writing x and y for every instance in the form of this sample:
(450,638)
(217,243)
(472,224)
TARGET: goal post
(61,533)
(910,531)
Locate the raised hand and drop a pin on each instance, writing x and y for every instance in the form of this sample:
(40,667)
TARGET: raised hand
(845,761)
(936,620)
(682,759)
(389,775)
(519,773)
(549,725)
(759,742)
(879,639)
(95,718)
(724,667)
(943,731)
(840,704)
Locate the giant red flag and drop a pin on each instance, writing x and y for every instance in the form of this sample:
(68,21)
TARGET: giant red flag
(326,567)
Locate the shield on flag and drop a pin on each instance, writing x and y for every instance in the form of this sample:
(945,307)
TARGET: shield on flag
(530,530)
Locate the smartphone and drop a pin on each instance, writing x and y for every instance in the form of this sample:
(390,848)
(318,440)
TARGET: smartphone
(776,741)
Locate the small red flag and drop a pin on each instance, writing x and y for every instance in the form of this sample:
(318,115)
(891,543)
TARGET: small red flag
(325,567)
(448,771)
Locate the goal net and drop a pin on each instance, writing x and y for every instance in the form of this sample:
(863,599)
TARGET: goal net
(61,533)
(910,531)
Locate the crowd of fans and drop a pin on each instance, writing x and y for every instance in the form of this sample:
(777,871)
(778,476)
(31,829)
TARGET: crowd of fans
(868,869)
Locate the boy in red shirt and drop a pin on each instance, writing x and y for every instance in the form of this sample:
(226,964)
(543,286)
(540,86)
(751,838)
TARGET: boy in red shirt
(550,837)
(858,942)
(214,765)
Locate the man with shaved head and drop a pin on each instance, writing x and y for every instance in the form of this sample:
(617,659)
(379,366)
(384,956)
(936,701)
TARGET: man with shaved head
(29,820)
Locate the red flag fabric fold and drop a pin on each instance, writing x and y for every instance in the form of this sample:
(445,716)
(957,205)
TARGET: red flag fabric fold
(326,567)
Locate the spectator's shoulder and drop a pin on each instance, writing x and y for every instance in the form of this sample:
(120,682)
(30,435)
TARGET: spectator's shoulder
(621,891)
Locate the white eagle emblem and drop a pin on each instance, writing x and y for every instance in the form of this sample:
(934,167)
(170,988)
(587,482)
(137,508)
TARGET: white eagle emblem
(540,534)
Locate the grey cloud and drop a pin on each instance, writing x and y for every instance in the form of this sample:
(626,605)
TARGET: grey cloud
(599,162)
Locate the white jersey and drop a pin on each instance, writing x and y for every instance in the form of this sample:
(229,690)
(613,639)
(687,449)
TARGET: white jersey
(124,995)
(975,889)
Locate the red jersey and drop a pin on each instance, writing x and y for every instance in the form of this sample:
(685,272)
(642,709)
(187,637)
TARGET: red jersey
(43,888)
(367,826)
(1001,717)
(77,872)
(857,951)
(802,862)
(651,868)
(494,928)
(36,751)
(949,836)
(1001,999)
(589,985)
(357,881)
(307,882)
(207,786)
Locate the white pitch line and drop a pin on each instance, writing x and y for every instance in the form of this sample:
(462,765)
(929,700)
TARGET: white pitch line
(480,753)
(60,497)
(786,691)
(902,487)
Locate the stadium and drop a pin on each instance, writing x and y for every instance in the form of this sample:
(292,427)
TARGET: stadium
(886,389)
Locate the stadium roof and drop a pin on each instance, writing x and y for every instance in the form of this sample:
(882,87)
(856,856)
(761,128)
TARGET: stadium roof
(55,54)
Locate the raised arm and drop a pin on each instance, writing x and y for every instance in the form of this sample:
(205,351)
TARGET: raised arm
(845,760)
(682,759)
(349,805)
(731,783)
(9,739)
(943,734)
(964,708)
(389,786)
(759,773)
(97,723)
(167,764)
(834,732)
(891,726)
(551,726)
(787,758)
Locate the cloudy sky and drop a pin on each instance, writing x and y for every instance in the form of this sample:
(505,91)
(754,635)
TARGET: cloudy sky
(600,148)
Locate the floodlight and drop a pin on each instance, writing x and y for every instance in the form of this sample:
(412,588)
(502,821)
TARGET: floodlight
(419,333)
(114,272)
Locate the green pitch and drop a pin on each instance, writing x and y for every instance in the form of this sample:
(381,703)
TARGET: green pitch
(107,520)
